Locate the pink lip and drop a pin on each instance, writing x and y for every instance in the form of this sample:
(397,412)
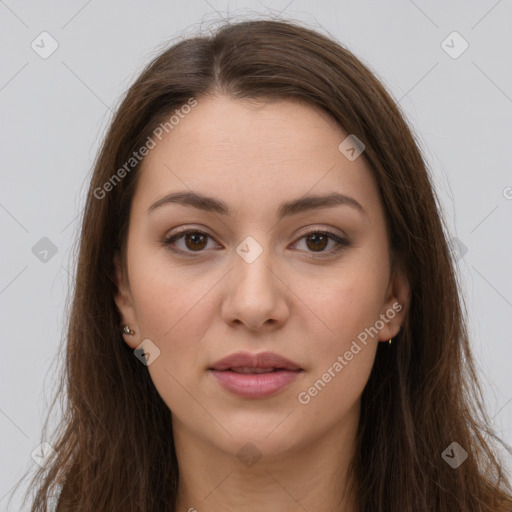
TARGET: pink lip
(255,385)
(261,360)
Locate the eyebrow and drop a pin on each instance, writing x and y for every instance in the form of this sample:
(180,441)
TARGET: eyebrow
(293,207)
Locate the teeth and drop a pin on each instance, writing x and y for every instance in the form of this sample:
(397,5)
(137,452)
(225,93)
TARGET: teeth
(246,369)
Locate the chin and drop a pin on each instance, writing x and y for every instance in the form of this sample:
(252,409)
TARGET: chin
(266,431)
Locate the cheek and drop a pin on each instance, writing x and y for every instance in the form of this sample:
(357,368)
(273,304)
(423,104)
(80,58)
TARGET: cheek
(348,303)
(343,304)
(176,308)
(345,342)
(334,392)
(168,295)
(174,311)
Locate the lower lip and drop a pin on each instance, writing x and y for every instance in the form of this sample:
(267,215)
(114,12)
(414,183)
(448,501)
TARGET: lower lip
(255,385)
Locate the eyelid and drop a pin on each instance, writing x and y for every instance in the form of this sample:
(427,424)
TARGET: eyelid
(329,231)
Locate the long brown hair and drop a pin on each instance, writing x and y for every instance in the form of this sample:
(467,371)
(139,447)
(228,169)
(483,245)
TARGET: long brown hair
(114,447)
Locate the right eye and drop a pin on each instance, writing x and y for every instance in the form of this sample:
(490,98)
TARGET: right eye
(194,241)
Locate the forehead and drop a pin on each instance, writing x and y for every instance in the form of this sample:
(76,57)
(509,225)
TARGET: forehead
(253,153)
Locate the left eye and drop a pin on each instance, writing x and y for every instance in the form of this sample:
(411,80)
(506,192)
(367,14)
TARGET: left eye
(316,241)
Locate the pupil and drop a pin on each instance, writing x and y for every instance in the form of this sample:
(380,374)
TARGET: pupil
(196,239)
(315,243)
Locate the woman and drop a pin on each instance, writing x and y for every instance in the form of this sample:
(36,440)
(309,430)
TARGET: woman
(266,313)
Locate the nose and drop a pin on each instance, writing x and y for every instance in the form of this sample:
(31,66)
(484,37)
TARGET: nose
(255,294)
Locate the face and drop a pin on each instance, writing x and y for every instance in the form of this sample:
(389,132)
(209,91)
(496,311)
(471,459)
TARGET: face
(258,268)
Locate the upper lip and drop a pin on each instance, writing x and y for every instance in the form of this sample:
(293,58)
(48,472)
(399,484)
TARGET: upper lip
(261,360)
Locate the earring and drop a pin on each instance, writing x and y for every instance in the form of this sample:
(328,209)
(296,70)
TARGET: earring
(127,330)
(390,341)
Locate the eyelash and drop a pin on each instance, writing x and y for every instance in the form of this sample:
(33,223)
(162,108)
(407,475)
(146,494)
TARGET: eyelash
(342,242)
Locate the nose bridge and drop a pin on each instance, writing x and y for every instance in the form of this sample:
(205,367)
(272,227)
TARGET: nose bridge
(255,291)
(252,266)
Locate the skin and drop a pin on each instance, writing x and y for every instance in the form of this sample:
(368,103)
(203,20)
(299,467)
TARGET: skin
(290,300)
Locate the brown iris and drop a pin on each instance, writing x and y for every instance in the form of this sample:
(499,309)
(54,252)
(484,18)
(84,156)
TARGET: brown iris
(320,241)
(198,240)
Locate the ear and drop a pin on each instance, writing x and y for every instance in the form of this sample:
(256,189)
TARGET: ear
(124,303)
(396,306)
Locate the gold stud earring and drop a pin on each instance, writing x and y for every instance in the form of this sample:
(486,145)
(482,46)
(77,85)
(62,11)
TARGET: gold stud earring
(128,331)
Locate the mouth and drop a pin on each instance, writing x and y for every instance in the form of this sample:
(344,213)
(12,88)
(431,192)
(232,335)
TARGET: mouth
(263,362)
(247,370)
(255,375)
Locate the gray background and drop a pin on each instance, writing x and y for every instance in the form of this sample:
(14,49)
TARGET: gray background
(54,112)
